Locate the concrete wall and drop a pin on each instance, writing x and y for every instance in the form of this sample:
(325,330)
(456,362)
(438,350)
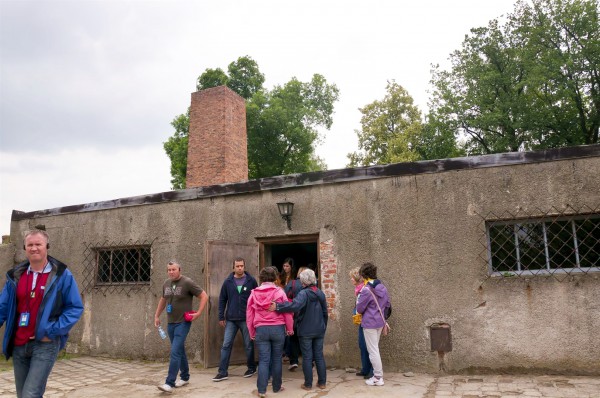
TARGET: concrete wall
(423,231)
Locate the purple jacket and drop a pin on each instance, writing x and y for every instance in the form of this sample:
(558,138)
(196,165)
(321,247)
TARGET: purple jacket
(365,304)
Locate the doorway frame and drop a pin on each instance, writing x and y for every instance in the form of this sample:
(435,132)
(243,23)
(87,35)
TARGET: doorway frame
(286,239)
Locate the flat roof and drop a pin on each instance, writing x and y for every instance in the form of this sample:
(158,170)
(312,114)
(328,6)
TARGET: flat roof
(326,177)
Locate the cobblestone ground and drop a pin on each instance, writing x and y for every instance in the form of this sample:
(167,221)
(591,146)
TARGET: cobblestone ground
(99,377)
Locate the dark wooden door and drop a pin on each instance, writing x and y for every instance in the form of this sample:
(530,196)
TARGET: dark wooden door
(219,264)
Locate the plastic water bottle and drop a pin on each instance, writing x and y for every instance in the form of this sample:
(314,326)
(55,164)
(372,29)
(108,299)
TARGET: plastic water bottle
(162,333)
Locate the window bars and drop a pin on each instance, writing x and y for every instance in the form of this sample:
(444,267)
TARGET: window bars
(558,242)
(116,267)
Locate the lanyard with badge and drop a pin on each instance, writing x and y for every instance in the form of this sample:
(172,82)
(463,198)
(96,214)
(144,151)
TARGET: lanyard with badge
(24,318)
(170,306)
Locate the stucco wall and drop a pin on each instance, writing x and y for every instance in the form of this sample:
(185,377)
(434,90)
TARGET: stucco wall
(424,233)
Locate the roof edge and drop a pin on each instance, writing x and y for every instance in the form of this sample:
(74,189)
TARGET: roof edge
(327,177)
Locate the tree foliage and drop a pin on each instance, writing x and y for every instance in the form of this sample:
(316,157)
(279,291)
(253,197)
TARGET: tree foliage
(392,131)
(283,123)
(176,148)
(531,82)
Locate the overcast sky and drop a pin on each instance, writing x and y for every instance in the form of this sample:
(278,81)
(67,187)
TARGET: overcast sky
(88,88)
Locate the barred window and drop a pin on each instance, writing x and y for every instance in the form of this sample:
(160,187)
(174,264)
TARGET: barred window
(565,244)
(131,265)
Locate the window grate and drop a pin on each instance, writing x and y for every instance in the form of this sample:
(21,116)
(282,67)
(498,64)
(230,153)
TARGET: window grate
(557,243)
(118,267)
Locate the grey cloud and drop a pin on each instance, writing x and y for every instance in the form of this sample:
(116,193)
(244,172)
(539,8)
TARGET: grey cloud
(71,74)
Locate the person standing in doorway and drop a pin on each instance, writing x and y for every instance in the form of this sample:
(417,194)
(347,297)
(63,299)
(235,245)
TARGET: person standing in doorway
(287,272)
(178,293)
(40,303)
(286,275)
(233,299)
(293,344)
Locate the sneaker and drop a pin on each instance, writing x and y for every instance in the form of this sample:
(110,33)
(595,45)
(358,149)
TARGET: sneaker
(181,383)
(220,377)
(249,373)
(374,381)
(166,388)
(293,367)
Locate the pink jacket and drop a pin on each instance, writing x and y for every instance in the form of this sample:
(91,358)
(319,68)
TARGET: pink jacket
(358,288)
(257,310)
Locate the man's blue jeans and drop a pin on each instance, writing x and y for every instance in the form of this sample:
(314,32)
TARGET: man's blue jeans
(312,350)
(231,329)
(32,365)
(367,368)
(269,342)
(178,362)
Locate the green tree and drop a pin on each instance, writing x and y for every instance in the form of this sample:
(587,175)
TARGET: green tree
(283,124)
(530,82)
(212,78)
(563,63)
(176,148)
(392,131)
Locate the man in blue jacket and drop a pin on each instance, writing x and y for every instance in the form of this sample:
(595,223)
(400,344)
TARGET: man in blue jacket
(232,316)
(40,303)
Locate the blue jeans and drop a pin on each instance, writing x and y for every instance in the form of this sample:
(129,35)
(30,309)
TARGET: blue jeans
(312,350)
(178,362)
(269,342)
(367,368)
(231,329)
(32,365)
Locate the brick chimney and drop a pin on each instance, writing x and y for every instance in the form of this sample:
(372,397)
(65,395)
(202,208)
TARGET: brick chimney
(217,146)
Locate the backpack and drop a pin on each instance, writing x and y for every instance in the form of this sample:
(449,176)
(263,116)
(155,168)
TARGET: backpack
(387,313)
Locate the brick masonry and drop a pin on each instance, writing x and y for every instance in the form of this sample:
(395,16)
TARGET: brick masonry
(217,146)
(329,276)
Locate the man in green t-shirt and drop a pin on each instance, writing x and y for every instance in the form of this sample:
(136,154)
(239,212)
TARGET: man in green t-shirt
(178,293)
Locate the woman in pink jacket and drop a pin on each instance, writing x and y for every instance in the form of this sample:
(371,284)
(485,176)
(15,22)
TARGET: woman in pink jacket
(268,329)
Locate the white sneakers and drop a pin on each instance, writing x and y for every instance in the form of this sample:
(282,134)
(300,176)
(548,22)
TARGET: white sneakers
(181,383)
(166,388)
(374,381)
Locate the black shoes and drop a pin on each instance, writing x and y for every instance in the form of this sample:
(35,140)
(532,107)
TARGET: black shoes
(220,377)
(248,373)
(365,376)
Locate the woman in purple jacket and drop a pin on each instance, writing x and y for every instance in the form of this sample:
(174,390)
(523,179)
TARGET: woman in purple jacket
(372,297)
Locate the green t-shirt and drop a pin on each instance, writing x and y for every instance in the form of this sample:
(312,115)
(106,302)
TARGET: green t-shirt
(180,294)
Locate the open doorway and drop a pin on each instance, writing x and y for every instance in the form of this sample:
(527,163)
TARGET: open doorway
(302,248)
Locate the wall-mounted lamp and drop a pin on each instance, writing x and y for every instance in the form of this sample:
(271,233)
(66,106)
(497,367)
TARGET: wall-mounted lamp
(285,210)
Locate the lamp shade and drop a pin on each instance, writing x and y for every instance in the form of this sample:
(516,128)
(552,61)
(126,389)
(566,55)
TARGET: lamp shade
(285,208)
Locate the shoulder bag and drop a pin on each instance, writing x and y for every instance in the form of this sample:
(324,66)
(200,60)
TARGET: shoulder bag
(386,327)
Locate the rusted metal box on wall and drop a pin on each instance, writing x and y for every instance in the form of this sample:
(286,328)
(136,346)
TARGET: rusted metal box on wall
(441,338)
